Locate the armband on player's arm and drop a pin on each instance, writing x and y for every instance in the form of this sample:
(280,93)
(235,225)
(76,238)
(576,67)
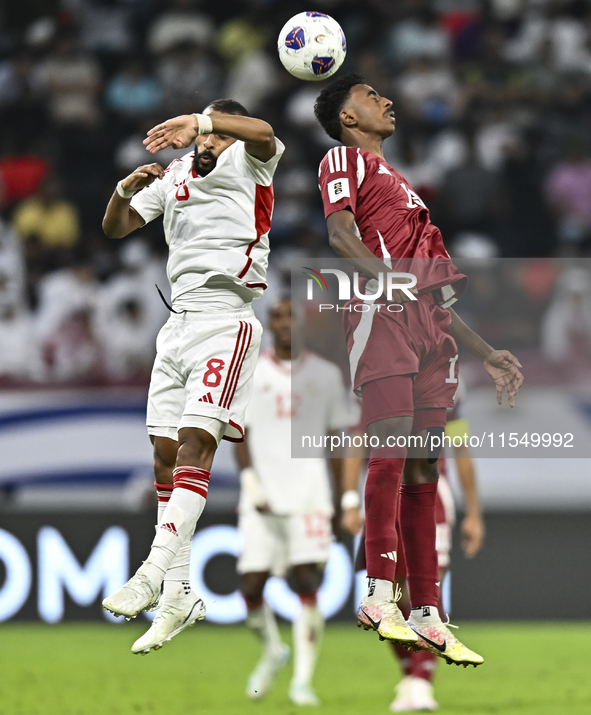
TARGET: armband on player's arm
(252,486)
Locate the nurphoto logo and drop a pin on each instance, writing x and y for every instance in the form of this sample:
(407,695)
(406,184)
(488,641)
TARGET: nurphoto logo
(374,289)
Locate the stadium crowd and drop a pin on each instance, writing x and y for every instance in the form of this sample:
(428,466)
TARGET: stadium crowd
(493,105)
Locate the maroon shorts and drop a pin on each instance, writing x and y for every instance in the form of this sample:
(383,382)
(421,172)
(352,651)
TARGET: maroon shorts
(395,397)
(414,346)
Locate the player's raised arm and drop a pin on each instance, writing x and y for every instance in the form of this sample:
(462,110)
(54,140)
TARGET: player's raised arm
(120,218)
(181,132)
(501,365)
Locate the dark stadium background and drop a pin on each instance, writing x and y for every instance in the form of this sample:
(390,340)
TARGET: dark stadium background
(493,105)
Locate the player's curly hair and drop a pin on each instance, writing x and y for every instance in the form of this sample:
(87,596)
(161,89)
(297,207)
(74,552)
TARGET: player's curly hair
(228,106)
(331,100)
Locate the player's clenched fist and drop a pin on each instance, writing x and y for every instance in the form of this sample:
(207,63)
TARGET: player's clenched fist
(142,176)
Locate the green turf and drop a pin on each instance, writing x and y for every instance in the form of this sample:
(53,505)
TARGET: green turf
(530,669)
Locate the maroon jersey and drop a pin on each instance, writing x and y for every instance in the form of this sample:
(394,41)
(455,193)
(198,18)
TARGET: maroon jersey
(392,219)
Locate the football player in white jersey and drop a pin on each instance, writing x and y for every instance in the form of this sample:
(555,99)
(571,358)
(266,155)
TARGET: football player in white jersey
(217,203)
(286,503)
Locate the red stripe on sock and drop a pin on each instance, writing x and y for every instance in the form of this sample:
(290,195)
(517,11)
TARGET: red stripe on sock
(308,599)
(253,605)
(163,491)
(193,479)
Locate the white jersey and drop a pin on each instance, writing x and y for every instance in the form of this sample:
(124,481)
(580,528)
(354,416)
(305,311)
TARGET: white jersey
(216,225)
(293,485)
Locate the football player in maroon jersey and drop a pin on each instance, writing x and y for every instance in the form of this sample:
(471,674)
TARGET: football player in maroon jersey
(403,361)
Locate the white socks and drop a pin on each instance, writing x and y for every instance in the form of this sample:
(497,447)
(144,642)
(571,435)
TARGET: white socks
(425,615)
(263,623)
(379,589)
(177,579)
(178,521)
(307,633)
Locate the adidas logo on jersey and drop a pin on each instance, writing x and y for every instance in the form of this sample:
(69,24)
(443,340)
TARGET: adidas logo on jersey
(390,555)
(170,527)
(383,170)
(206,398)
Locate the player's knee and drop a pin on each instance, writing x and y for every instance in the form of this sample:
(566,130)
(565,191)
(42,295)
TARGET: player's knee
(252,587)
(390,429)
(306,580)
(165,451)
(196,448)
(435,445)
(162,472)
(420,471)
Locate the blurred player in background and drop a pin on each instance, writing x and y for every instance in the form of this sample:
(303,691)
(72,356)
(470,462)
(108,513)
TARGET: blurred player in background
(415,690)
(403,361)
(286,503)
(217,203)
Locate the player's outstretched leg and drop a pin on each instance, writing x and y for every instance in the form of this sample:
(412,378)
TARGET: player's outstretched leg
(179,607)
(186,504)
(307,633)
(417,521)
(378,609)
(275,655)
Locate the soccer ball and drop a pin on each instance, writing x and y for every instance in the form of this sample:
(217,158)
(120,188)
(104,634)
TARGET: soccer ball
(312,46)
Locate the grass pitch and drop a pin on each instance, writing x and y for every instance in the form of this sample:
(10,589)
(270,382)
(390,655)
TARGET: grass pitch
(529,669)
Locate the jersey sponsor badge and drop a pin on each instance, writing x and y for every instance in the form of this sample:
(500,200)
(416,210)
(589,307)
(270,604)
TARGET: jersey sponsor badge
(338,189)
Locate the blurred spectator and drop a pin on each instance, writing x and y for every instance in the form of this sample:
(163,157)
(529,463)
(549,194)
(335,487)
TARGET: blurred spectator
(136,282)
(568,192)
(566,326)
(496,132)
(73,352)
(12,268)
(243,34)
(72,80)
(181,23)
(104,27)
(470,199)
(131,152)
(527,223)
(190,77)
(429,92)
(128,342)
(64,293)
(491,79)
(20,176)
(133,91)
(412,161)
(20,356)
(252,79)
(419,35)
(49,217)
(563,25)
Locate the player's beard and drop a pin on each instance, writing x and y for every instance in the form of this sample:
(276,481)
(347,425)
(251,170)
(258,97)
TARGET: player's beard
(204,170)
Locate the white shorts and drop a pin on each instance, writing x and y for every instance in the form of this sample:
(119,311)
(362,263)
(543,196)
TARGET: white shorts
(202,375)
(273,542)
